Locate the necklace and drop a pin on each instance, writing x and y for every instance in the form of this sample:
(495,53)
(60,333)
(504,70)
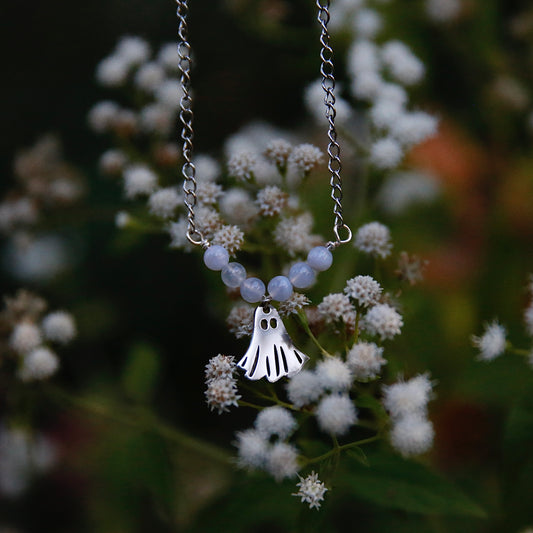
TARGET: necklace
(271,353)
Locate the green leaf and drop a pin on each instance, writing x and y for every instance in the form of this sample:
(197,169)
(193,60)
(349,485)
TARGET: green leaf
(393,482)
(140,373)
(359,455)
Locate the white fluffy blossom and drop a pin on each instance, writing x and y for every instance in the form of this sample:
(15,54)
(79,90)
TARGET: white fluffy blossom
(275,420)
(20,212)
(363,57)
(314,102)
(335,307)
(293,304)
(271,200)
(122,219)
(408,397)
(252,449)
(386,153)
(528,319)
(403,65)
(25,337)
(367,23)
(155,118)
(102,116)
(365,290)
(386,112)
(59,326)
(133,50)
(208,221)
(365,360)
(139,180)
(240,320)
(304,388)
(282,461)
(169,94)
(112,162)
(278,151)
(112,71)
(241,165)
(492,343)
(412,434)
(304,158)
(221,393)
(178,234)
(374,238)
(230,237)
(238,207)
(40,363)
(334,374)
(169,57)
(336,414)
(220,367)
(163,203)
(294,234)
(207,168)
(412,128)
(311,490)
(367,85)
(443,10)
(383,320)
(149,76)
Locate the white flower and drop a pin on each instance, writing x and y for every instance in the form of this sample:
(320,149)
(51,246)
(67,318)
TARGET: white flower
(304,158)
(266,173)
(334,374)
(271,200)
(403,65)
(282,461)
(169,94)
(296,301)
(385,112)
(112,162)
(155,118)
(367,23)
(207,168)
(386,153)
(40,363)
(365,290)
(335,307)
(178,234)
(528,319)
(443,10)
(139,180)
(208,192)
(406,189)
(408,397)
(230,237)
(278,151)
(252,449)
(412,434)
(133,50)
(112,71)
(304,388)
(311,490)
(241,165)
(122,219)
(492,343)
(149,77)
(374,238)
(367,85)
(220,367)
(102,116)
(163,203)
(59,326)
(169,56)
(13,213)
(383,320)
(314,102)
(293,234)
(240,321)
(25,337)
(365,360)
(221,393)
(275,420)
(391,92)
(412,128)
(336,414)
(363,57)
(238,207)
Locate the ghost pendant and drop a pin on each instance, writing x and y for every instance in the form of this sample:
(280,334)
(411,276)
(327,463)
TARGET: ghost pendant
(271,353)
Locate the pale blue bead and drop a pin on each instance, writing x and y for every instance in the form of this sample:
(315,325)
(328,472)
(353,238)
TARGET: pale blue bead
(216,257)
(252,290)
(233,274)
(320,258)
(280,288)
(302,275)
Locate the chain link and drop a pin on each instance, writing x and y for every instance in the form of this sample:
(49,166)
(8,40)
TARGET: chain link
(334,150)
(186,117)
(187,133)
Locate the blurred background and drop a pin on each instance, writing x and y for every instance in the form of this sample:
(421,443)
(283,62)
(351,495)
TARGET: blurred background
(148,320)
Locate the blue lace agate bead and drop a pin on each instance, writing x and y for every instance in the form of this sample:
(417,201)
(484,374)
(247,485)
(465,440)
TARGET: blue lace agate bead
(301,275)
(280,288)
(216,257)
(320,258)
(233,274)
(252,290)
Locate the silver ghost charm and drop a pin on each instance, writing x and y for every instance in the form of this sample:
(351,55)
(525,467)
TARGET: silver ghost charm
(271,352)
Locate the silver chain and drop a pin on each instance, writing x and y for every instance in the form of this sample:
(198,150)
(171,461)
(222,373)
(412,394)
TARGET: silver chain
(334,150)
(187,133)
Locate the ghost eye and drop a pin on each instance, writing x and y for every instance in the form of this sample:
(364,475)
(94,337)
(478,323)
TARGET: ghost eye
(273,323)
(264,324)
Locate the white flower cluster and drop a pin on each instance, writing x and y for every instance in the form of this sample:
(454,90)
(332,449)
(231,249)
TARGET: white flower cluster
(264,446)
(23,456)
(221,392)
(28,338)
(492,343)
(311,490)
(412,432)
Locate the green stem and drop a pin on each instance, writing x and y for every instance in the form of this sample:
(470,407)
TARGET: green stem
(338,449)
(305,326)
(518,351)
(243,403)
